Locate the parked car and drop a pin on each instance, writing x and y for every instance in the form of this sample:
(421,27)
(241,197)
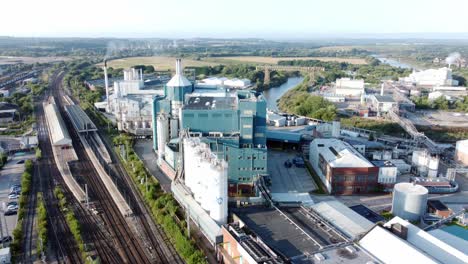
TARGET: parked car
(20,162)
(11,212)
(15,190)
(12,206)
(7,239)
(13,196)
(299,162)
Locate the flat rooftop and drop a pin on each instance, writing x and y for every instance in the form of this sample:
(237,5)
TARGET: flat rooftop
(206,102)
(384,98)
(367,213)
(340,154)
(283,235)
(382,163)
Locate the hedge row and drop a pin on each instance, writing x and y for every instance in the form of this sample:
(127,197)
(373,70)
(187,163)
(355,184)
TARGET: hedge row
(41,224)
(71,220)
(163,206)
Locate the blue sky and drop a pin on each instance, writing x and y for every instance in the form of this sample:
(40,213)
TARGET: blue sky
(234,18)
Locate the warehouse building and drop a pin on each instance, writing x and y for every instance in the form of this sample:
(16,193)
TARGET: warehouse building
(231,123)
(432,77)
(342,169)
(406,243)
(382,103)
(343,218)
(349,87)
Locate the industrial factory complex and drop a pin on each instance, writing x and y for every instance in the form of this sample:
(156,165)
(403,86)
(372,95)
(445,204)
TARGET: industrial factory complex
(237,169)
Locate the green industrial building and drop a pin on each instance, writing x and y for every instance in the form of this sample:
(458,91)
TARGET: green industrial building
(232,122)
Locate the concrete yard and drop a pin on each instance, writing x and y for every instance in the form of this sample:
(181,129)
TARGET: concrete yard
(11,174)
(144,150)
(288,180)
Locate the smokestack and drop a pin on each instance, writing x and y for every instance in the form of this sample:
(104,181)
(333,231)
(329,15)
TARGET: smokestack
(141,74)
(106,83)
(381,89)
(179,66)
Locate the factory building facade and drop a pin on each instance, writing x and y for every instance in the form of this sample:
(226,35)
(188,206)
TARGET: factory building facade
(342,169)
(231,123)
(432,77)
(349,87)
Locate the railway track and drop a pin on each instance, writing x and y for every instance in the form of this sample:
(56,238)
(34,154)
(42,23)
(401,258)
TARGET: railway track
(155,241)
(118,236)
(61,243)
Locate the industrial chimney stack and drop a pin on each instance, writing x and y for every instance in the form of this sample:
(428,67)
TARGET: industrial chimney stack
(381,89)
(178,66)
(106,83)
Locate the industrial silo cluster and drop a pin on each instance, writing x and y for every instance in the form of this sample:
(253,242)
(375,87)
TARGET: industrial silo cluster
(206,177)
(409,201)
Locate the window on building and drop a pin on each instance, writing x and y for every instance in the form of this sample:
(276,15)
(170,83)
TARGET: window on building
(349,178)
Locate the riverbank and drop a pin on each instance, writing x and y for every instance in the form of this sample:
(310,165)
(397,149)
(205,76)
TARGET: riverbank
(273,94)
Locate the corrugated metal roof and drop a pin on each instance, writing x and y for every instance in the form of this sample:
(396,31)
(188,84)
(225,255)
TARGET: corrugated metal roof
(340,154)
(433,246)
(283,136)
(389,248)
(57,127)
(342,217)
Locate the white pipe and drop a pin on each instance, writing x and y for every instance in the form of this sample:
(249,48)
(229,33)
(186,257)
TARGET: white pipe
(106,83)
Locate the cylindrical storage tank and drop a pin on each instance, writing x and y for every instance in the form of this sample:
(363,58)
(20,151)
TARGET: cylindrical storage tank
(136,124)
(289,123)
(432,173)
(189,162)
(409,201)
(336,127)
(174,128)
(433,163)
(219,204)
(206,180)
(461,152)
(162,130)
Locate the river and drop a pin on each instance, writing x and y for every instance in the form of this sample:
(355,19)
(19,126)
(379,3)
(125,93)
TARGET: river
(393,62)
(275,93)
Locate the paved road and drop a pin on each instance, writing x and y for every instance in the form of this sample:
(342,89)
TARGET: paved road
(144,150)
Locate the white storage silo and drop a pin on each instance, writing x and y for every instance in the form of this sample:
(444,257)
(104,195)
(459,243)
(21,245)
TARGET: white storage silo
(219,195)
(409,201)
(461,152)
(162,130)
(189,162)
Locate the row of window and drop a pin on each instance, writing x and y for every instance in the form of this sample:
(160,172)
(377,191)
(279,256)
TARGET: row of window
(358,178)
(253,169)
(252,157)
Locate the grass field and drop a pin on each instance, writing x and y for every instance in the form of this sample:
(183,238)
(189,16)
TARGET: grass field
(168,63)
(271,60)
(160,63)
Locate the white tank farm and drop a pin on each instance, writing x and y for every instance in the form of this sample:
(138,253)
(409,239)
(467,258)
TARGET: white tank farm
(409,201)
(425,163)
(162,129)
(206,176)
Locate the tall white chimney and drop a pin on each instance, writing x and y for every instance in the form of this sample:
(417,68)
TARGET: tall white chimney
(178,66)
(106,83)
(381,89)
(141,74)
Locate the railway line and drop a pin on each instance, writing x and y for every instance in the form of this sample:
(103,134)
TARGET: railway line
(151,236)
(119,233)
(61,243)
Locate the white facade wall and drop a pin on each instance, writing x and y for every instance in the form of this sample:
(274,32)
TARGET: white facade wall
(348,87)
(387,175)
